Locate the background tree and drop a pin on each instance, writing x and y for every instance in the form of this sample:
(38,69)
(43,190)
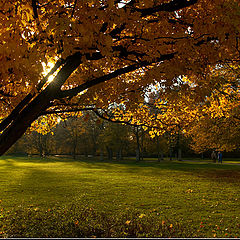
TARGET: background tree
(115,139)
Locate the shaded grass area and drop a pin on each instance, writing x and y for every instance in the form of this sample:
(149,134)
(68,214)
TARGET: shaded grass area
(72,198)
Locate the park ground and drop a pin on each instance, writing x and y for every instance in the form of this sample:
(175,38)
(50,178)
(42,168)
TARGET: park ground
(62,197)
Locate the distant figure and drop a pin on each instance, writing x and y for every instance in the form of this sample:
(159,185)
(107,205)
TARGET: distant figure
(214,156)
(219,157)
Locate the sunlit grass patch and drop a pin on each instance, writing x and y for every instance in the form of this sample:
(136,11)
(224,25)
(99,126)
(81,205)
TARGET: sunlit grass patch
(47,197)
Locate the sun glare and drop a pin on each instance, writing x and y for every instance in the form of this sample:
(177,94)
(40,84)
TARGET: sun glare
(46,68)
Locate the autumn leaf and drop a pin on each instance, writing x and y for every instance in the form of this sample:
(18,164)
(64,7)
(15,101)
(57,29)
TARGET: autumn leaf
(127,222)
(142,215)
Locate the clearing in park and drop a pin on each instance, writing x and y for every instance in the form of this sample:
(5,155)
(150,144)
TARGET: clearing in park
(71,198)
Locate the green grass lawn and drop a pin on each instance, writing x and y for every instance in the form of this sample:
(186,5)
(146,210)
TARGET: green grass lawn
(70,198)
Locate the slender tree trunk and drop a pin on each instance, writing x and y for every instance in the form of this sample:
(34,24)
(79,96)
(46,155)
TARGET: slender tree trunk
(159,151)
(101,155)
(138,145)
(160,155)
(142,147)
(75,146)
(94,150)
(40,146)
(94,142)
(110,153)
(178,149)
(179,154)
(119,154)
(170,154)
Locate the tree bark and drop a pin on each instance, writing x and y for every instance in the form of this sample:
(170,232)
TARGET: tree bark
(23,121)
(40,103)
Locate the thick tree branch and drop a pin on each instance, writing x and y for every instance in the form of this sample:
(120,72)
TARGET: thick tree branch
(66,111)
(172,6)
(16,111)
(109,119)
(5,94)
(34,6)
(74,91)
(32,110)
(74,6)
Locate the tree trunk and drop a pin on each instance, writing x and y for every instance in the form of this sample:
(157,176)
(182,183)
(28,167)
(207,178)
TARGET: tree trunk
(179,154)
(75,141)
(160,155)
(110,153)
(137,155)
(94,150)
(119,154)
(33,108)
(138,146)
(142,147)
(170,154)
(101,155)
(159,151)
(23,121)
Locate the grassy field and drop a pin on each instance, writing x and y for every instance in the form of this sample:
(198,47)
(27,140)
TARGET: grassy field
(71,198)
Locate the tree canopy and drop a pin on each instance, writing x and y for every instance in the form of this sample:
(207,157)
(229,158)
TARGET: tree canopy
(109,51)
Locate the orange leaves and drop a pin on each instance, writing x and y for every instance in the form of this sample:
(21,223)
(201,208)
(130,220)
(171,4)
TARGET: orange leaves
(199,35)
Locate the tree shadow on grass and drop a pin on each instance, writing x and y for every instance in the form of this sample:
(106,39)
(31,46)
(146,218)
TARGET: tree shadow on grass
(212,171)
(42,187)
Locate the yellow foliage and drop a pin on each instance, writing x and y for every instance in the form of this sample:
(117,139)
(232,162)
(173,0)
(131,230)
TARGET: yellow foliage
(190,61)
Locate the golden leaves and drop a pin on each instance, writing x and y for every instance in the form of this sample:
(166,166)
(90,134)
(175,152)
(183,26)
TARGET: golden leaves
(44,124)
(200,36)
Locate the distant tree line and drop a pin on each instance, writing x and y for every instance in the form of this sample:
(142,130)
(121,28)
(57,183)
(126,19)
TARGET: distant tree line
(96,137)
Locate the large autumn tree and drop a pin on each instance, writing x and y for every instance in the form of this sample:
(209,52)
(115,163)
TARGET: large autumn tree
(103,52)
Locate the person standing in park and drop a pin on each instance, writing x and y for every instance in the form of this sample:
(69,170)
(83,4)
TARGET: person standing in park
(214,156)
(219,157)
